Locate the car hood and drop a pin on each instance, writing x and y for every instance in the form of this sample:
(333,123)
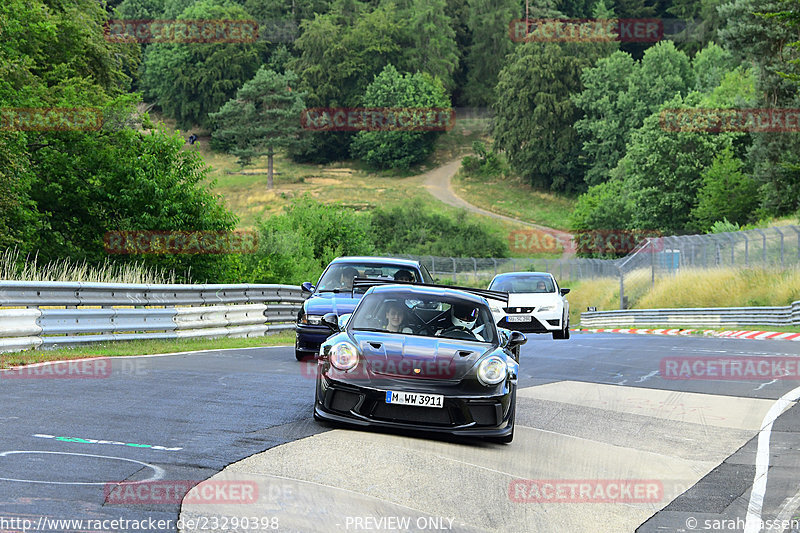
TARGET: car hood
(329,302)
(400,355)
(533,299)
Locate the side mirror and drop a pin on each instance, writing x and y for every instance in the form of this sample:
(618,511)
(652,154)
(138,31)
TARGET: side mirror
(343,320)
(307,287)
(504,336)
(564,292)
(331,320)
(516,338)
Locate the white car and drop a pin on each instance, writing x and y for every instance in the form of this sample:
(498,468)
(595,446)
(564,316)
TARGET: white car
(536,304)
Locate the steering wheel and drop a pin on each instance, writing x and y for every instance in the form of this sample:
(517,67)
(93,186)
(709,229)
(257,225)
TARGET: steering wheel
(454,332)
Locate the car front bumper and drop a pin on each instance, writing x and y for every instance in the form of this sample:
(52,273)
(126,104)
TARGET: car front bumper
(490,415)
(309,338)
(539,323)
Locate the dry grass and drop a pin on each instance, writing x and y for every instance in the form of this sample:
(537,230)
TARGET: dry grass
(13,268)
(721,287)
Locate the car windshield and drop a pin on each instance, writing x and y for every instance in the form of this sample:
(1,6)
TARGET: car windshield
(339,277)
(426,316)
(528,283)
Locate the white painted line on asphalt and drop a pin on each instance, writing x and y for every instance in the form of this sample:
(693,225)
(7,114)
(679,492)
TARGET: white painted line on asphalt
(158,472)
(754,507)
(648,376)
(765,384)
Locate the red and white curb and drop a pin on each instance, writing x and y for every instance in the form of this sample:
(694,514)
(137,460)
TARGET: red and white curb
(746,334)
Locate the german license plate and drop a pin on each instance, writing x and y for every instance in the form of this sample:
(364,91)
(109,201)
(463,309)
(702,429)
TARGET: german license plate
(414,398)
(519,318)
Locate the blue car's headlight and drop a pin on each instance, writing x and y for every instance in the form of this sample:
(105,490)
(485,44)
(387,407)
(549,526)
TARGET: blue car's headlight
(492,370)
(344,356)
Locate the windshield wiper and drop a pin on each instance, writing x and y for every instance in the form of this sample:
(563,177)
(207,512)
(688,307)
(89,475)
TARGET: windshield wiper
(336,291)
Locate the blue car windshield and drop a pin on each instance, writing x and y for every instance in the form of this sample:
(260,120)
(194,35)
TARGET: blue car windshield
(425,316)
(339,277)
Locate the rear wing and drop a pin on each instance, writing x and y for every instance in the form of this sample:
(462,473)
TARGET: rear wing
(366,283)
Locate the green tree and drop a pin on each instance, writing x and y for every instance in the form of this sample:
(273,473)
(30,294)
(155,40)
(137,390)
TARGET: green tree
(726,193)
(618,94)
(433,47)
(262,117)
(399,149)
(609,119)
(535,117)
(190,80)
(761,40)
(488,22)
(710,65)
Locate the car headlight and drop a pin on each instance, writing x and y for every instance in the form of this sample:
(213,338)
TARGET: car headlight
(313,320)
(546,308)
(492,370)
(344,356)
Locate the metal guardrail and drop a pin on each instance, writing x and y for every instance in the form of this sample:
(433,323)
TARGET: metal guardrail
(58,314)
(710,316)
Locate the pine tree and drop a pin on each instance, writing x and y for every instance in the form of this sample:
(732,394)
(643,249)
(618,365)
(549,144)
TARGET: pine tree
(264,116)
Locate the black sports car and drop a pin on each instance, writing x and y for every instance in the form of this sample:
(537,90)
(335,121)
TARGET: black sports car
(422,357)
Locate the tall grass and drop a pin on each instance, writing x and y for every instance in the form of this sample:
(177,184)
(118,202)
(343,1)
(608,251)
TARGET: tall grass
(717,287)
(14,267)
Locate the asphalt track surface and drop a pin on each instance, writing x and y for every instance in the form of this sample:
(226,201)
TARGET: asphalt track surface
(591,410)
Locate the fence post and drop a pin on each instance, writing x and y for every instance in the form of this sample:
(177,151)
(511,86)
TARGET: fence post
(621,290)
(454,269)
(746,250)
(475,267)
(781,234)
(764,246)
(652,263)
(495,265)
(433,266)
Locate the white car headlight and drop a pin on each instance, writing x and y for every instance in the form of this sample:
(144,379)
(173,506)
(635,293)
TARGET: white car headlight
(344,356)
(546,308)
(492,370)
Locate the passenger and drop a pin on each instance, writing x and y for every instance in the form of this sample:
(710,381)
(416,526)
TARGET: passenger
(403,275)
(396,318)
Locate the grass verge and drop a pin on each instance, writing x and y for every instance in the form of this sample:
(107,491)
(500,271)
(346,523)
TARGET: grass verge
(121,348)
(513,198)
(718,287)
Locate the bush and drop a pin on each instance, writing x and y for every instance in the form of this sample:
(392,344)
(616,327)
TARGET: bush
(413,228)
(486,164)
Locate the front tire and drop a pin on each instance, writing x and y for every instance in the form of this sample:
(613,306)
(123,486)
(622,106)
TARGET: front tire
(301,356)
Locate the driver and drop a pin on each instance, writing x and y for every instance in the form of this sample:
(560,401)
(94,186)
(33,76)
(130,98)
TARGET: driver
(346,279)
(463,317)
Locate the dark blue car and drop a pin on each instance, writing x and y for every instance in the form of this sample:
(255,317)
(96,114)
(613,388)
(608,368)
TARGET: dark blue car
(333,294)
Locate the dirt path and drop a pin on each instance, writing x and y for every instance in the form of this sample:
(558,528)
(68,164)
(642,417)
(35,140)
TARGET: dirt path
(437,181)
